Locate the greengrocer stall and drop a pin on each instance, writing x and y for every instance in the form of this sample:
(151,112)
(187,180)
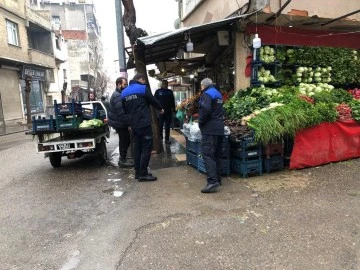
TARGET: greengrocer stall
(306,93)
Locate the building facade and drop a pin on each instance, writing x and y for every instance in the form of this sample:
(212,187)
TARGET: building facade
(76,22)
(306,16)
(26,49)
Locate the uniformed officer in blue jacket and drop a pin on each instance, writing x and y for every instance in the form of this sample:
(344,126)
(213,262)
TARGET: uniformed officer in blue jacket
(211,124)
(136,99)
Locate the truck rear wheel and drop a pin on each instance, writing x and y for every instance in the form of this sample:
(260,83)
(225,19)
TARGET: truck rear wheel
(55,159)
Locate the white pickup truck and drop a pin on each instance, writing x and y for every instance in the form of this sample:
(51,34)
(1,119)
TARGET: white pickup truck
(74,142)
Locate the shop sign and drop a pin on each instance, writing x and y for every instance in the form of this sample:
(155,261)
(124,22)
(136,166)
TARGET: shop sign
(180,88)
(35,73)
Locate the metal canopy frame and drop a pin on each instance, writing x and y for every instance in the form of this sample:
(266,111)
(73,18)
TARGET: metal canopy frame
(164,47)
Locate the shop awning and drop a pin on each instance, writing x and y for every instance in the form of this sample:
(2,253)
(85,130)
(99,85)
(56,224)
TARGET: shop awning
(164,46)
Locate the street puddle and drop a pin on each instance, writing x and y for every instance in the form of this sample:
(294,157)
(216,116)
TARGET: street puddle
(114,180)
(118,193)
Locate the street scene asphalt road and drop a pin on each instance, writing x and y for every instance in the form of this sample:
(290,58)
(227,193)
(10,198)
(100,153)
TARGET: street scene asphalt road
(86,216)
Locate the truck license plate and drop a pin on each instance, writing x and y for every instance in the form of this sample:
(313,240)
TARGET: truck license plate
(64,146)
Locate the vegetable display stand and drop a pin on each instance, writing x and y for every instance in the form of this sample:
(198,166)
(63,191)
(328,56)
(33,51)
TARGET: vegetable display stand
(195,147)
(246,168)
(325,143)
(273,149)
(251,153)
(273,163)
(224,166)
(192,159)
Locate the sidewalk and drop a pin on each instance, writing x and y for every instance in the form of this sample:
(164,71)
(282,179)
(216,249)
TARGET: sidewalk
(7,130)
(13,135)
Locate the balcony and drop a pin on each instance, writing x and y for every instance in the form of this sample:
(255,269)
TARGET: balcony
(41,19)
(41,59)
(61,56)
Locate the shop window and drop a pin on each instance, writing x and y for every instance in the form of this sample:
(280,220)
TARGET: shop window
(12,33)
(180,96)
(36,97)
(58,43)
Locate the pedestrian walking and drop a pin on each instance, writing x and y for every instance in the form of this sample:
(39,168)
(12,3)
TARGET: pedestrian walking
(211,124)
(166,98)
(136,99)
(120,122)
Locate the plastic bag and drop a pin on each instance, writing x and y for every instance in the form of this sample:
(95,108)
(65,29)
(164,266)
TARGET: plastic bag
(180,115)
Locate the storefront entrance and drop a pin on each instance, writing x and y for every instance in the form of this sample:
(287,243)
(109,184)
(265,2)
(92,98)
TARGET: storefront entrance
(36,97)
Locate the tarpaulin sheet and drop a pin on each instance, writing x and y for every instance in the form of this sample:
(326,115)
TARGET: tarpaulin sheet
(325,143)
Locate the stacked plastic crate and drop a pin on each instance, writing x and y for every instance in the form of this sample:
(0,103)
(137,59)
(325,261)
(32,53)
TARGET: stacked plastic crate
(195,159)
(273,157)
(66,115)
(42,124)
(246,156)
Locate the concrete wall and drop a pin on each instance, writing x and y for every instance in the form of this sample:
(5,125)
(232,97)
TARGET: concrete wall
(18,53)
(10,96)
(72,17)
(78,58)
(212,10)
(321,8)
(41,19)
(16,6)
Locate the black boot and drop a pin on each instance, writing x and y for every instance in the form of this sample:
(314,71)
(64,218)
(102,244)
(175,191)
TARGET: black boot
(210,188)
(123,163)
(147,178)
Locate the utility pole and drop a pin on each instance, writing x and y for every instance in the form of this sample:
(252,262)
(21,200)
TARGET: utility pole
(120,37)
(28,80)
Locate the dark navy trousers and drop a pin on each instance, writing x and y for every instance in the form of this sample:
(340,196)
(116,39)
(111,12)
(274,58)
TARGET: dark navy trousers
(212,152)
(143,144)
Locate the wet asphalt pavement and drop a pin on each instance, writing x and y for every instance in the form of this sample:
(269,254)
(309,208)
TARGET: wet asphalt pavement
(84,216)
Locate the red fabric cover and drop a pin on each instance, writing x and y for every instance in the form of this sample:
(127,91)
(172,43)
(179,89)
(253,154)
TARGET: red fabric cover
(248,66)
(325,143)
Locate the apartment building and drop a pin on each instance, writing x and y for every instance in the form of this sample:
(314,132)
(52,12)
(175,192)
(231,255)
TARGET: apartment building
(26,49)
(76,22)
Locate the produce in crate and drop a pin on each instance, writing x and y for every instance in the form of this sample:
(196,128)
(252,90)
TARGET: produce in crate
(304,75)
(344,112)
(237,130)
(265,76)
(267,54)
(247,118)
(355,109)
(355,93)
(322,74)
(309,89)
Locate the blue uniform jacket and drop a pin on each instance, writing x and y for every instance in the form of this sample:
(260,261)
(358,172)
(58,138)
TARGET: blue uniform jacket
(211,112)
(136,99)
